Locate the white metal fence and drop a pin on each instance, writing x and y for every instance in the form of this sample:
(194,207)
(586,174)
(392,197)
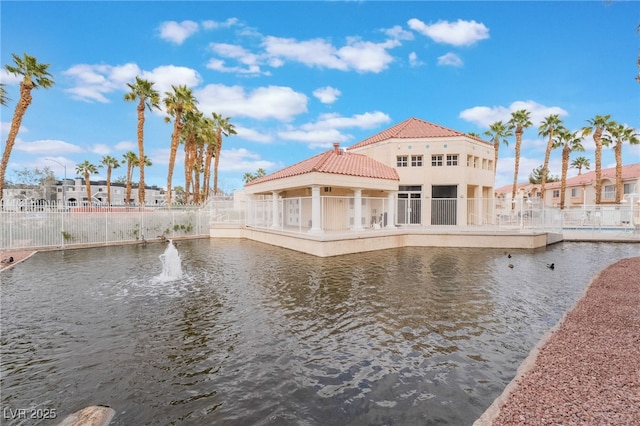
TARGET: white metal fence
(339,214)
(50,225)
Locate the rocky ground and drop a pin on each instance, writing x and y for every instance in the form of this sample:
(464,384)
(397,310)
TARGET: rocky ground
(587,372)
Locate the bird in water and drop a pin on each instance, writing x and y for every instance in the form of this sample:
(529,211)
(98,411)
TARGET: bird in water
(551,265)
(511,265)
(8,260)
(509,255)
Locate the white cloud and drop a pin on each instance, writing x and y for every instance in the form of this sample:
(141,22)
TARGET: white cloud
(484,116)
(249,60)
(8,78)
(164,76)
(94,82)
(125,146)
(243,160)
(47,146)
(253,135)
(413,60)
(459,33)
(177,32)
(100,148)
(450,59)
(398,33)
(281,103)
(327,95)
(211,25)
(361,56)
(326,130)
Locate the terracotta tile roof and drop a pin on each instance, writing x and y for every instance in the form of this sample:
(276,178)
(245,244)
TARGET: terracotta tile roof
(412,128)
(335,162)
(629,171)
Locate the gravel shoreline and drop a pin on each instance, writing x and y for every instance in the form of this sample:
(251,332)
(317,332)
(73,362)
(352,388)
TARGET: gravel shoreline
(586,370)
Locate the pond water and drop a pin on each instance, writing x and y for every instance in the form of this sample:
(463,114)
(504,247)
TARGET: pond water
(258,335)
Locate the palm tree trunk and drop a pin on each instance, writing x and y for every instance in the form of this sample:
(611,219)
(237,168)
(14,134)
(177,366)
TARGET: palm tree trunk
(207,170)
(21,109)
(518,132)
(175,140)
(545,166)
(619,187)
(141,157)
(127,201)
(187,169)
(109,186)
(88,183)
(496,147)
(598,157)
(216,162)
(565,167)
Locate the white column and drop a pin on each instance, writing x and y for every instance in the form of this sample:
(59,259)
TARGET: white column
(275,223)
(391,210)
(315,210)
(357,209)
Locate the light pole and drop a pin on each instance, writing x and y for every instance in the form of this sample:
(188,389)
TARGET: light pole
(64,189)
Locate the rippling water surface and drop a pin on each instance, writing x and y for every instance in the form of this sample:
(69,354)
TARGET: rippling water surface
(258,335)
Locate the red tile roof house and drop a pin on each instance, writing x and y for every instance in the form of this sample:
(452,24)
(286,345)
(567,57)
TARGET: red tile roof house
(581,189)
(415,173)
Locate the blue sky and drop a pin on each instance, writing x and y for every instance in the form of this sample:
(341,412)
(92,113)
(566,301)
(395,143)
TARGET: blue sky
(297,76)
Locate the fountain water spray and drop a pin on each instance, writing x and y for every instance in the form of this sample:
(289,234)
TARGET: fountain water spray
(171,264)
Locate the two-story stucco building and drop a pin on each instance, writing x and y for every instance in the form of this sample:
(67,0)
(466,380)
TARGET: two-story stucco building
(415,173)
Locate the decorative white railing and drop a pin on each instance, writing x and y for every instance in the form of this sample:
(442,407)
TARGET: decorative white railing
(50,225)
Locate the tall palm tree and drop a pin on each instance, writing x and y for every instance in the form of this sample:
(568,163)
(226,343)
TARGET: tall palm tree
(570,142)
(499,131)
(34,75)
(130,159)
(620,133)
(110,163)
(581,163)
(519,121)
(176,103)
(86,168)
(598,125)
(222,126)
(549,126)
(189,137)
(210,140)
(143,91)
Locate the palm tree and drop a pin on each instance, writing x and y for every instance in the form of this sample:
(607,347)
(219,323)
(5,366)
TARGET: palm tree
(86,168)
(581,163)
(499,132)
(549,126)
(620,133)
(176,102)
(570,142)
(110,163)
(210,140)
(597,126)
(142,90)
(35,75)
(222,125)
(190,137)
(3,95)
(130,159)
(519,121)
